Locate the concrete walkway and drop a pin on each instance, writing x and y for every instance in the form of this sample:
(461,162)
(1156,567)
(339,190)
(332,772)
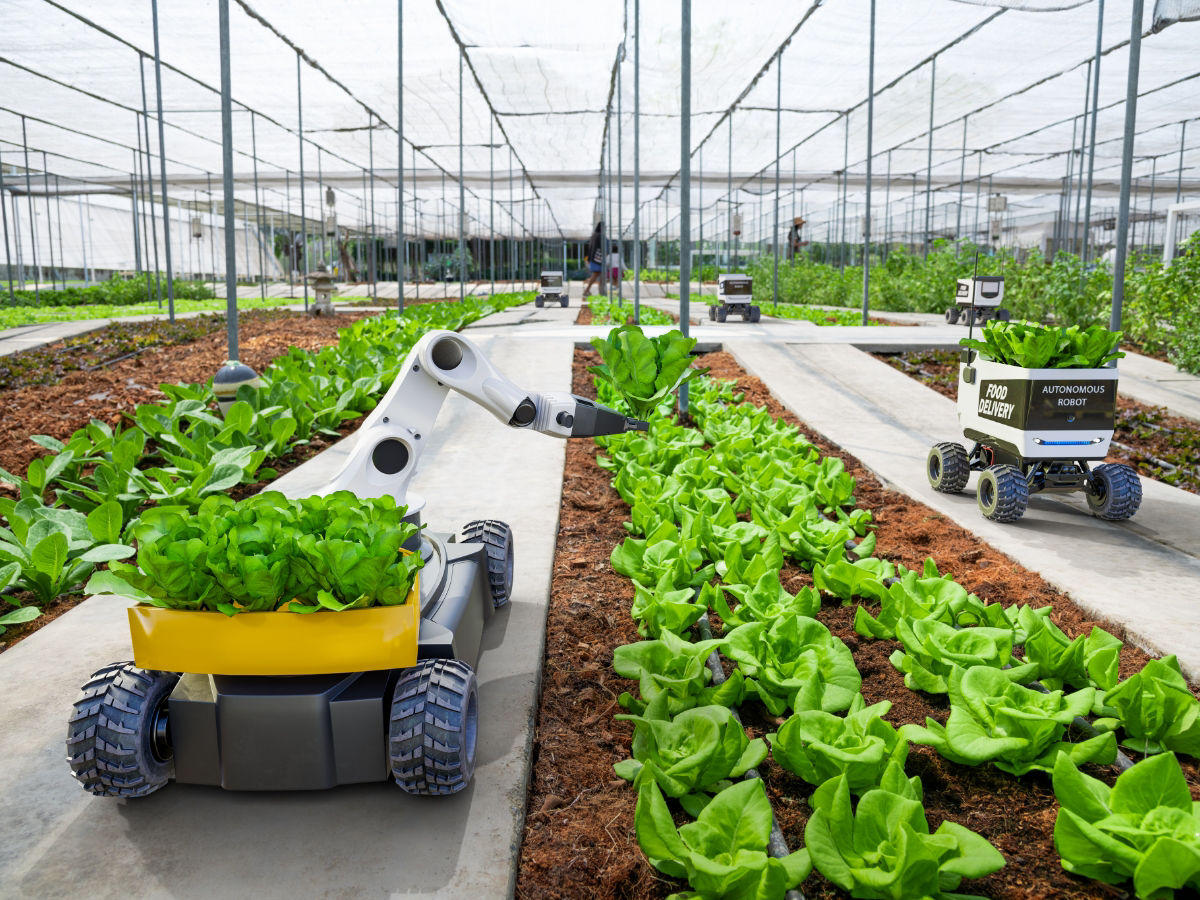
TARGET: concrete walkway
(358,841)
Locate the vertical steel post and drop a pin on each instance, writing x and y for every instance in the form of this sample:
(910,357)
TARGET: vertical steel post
(700,217)
(137,245)
(400,241)
(149,186)
(870,151)
(978,185)
(492,203)
(16,212)
(262,269)
(420,249)
(303,221)
(62,259)
(1179,173)
(49,224)
(1149,221)
(729,261)
(37,273)
(778,130)
(462,189)
(374,244)
(887,208)
(212,229)
(637,160)
(87,277)
(1087,215)
(962,177)
(1131,89)
(1087,96)
(685,181)
(162,166)
(929,158)
(7,254)
(620,205)
(291,230)
(845,191)
(231,311)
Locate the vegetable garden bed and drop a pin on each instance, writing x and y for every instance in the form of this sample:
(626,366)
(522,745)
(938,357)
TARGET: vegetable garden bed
(579,837)
(1159,445)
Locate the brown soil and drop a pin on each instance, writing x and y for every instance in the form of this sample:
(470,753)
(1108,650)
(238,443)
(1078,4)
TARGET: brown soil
(1159,445)
(579,838)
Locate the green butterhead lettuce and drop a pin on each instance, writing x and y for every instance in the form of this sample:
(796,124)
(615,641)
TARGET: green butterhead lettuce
(1157,710)
(932,650)
(1032,346)
(644,370)
(675,667)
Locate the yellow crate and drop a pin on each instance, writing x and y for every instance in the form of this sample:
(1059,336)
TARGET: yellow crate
(277,643)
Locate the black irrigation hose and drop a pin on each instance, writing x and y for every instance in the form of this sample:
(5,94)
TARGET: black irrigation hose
(1123,762)
(777,844)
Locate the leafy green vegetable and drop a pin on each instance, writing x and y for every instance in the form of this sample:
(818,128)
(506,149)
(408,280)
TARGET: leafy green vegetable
(1015,728)
(675,667)
(925,595)
(1157,710)
(723,854)
(884,849)
(932,650)
(1146,827)
(666,608)
(698,750)
(1033,346)
(818,745)
(644,369)
(1088,659)
(664,554)
(335,552)
(795,662)
(861,578)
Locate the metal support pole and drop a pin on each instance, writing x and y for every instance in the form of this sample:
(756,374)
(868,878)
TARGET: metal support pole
(462,190)
(149,183)
(870,150)
(887,208)
(1087,215)
(262,270)
(162,166)
(620,233)
(133,202)
(417,231)
(400,242)
(231,311)
(978,185)
(87,278)
(16,213)
(303,221)
(685,181)
(962,177)
(729,260)
(1179,173)
(7,254)
(492,204)
(845,189)
(37,274)
(929,158)
(637,161)
(1087,96)
(49,224)
(1149,221)
(1135,53)
(374,244)
(778,128)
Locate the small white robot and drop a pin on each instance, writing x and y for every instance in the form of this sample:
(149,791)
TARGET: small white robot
(553,290)
(978,299)
(734,293)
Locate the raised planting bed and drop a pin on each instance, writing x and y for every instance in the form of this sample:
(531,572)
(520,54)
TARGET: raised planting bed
(580,833)
(1159,445)
(599,311)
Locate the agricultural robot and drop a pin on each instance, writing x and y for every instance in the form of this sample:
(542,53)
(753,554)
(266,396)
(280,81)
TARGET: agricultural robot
(553,290)
(734,296)
(978,299)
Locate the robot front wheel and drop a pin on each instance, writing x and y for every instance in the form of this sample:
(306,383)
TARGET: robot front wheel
(948,467)
(118,744)
(1002,493)
(433,726)
(1114,492)
(497,537)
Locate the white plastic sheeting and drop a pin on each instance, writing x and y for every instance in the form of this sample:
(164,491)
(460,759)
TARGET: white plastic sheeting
(540,93)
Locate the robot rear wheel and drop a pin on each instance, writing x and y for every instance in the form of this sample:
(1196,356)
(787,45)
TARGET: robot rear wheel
(433,727)
(948,467)
(497,537)
(1114,492)
(1002,493)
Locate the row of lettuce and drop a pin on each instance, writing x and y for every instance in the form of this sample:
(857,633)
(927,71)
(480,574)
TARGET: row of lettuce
(715,513)
(79,503)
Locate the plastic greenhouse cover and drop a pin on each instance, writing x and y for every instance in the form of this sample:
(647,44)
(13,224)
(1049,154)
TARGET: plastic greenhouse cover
(541,85)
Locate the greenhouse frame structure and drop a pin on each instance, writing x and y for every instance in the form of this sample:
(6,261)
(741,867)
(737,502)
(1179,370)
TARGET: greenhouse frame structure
(520,132)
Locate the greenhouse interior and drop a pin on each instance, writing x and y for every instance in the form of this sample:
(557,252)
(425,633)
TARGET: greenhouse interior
(861,560)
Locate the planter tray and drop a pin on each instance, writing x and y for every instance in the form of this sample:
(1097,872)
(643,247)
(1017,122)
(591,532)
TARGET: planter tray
(277,643)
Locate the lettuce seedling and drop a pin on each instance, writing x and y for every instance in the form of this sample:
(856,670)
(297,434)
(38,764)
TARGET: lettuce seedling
(932,650)
(1157,710)
(818,745)
(723,854)
(676,667)
(1017,729)
(698,750)
(883,849)
(794,662)
(1146,827)
(644,370)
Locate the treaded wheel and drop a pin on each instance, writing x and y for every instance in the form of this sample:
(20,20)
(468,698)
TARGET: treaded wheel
(563,301)
(497,537)
(952,315)
(722,313)
(712,314)
(948,467)
(755,314)
(432,727)
(1115,492)
(537,301)
(972,317)
(1002,493)
(1003,315)
(117,743)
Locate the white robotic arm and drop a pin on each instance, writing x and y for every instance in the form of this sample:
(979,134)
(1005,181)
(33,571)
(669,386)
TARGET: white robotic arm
(391,438)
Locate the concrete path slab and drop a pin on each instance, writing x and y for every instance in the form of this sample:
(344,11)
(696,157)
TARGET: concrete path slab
(1158,383)
(357,841)
(1142,573)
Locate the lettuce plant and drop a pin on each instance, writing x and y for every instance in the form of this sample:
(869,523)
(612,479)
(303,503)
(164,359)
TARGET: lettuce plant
(861,578)
(665,608)
(662,554)
(883,849)
(697,750)
(932,650)
(924,595)
(644,370)
(723,854)
(1156,709)
(818,745)
(1090,659)
(794,662)
(764,601)
(1145,827)
(1017,729)
(675,667)
(1033,346)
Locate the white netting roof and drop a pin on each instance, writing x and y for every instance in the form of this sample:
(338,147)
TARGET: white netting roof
(542,85)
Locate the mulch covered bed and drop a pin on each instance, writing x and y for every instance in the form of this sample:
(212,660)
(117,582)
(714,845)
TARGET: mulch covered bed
(579,835)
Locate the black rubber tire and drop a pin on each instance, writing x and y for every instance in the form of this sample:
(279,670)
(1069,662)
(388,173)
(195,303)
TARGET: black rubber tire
(497,537)
(1116,492)
(952,315)
(712,314)
(755,314)
(537,301)
(116,740)
(1002,493)
(971,317)
(722,313)
(433,725)
(1003,315)
(948,467)
(564,302)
